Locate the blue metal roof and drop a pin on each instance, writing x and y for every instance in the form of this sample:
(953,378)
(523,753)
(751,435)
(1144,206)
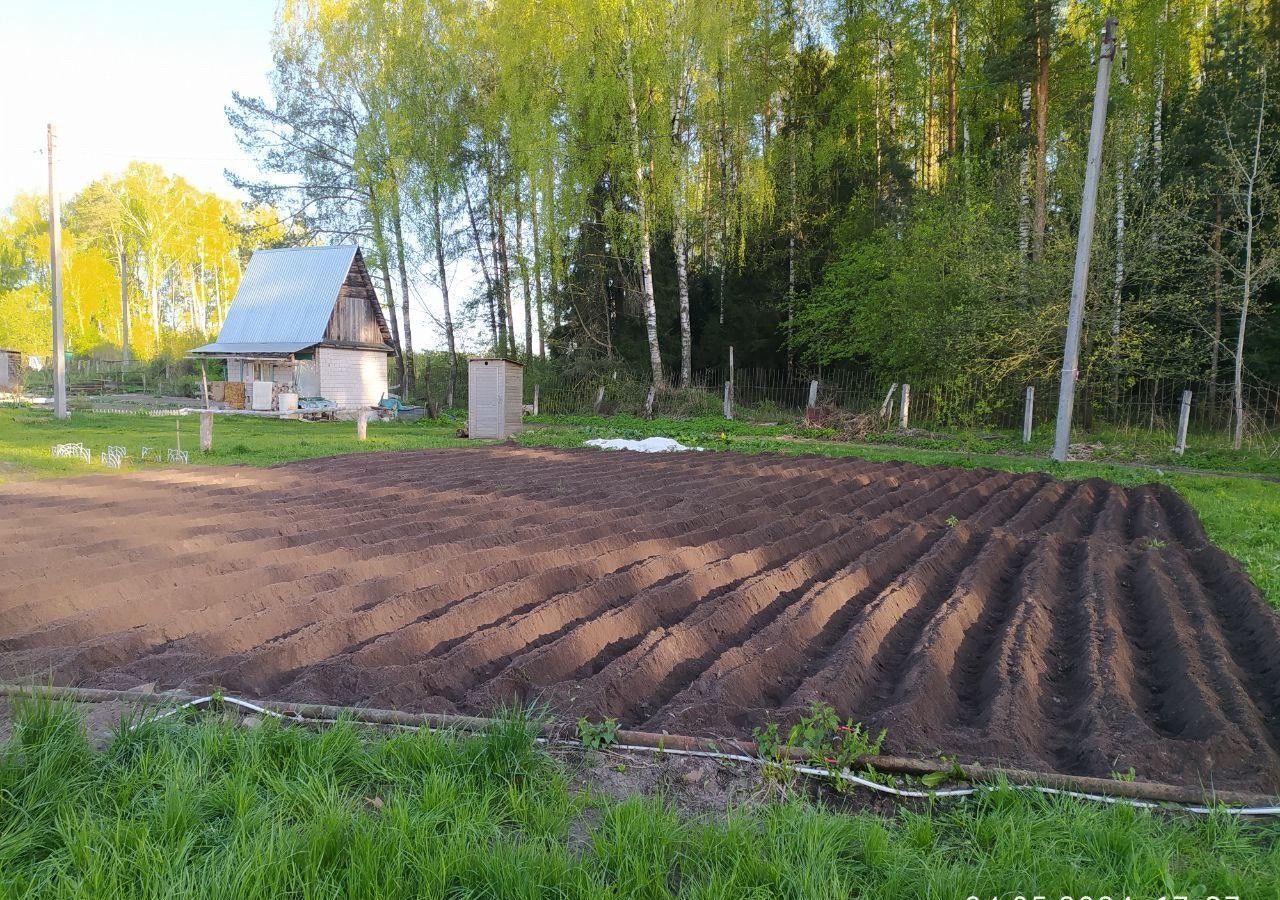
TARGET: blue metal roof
(224,348)
(285,299)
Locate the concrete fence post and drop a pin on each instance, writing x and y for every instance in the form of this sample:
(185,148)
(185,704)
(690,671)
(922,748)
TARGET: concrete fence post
(362,424)
(905,411)
(1027,413)
(536,391)
(648,401)
(1184,418)
(886,408)
(206,430)
(813,393)
(728,399)
(600,397)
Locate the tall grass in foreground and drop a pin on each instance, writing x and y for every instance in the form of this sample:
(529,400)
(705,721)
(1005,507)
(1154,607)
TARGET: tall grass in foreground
(204,809)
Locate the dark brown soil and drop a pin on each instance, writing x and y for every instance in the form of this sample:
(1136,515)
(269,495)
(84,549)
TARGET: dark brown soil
(1075,626)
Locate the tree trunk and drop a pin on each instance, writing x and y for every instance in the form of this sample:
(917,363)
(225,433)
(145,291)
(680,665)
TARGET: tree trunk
(679,232)
(1118,287)
(555,264)
(502,271)
(410,384)
(1157,115)
(524,277)
(927,152)
(537,270)
(499,283)
(1024,177)
(484,266)
(723,158)
(792,230)
(384,256)
(1237,436)
(153,292)
(953,61)
(1039,213)
(642,213)
(505,259)
(124,303)
(437,234)
(680,245)
(1216,349)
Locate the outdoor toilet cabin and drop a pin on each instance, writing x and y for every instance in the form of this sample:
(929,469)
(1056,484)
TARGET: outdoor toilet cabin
(495,397)
(305,321)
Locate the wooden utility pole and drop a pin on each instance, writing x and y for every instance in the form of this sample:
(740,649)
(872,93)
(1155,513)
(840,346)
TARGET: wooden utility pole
(1084,243)
(55,278)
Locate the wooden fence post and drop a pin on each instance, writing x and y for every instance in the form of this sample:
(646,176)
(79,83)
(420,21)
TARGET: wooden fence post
(648,401)
(1184,418)
(536,390)
(1027,413)
(728,399)
(362,424)
(906,406)
(206,430)
(813,393)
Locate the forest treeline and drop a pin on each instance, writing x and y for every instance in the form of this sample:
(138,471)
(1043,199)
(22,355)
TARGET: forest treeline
(891,184)
(149,265)
(887,185)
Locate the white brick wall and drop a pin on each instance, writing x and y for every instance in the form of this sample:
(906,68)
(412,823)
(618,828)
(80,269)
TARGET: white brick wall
(352,377)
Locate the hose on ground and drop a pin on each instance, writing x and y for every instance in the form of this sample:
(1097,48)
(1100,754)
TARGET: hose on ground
(844,775)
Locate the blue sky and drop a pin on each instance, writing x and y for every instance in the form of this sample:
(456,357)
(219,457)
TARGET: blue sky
(126,79)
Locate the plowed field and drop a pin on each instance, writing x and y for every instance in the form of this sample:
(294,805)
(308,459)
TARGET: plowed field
(1070,625)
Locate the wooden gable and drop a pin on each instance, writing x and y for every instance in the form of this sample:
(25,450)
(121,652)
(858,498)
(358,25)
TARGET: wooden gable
(357,316)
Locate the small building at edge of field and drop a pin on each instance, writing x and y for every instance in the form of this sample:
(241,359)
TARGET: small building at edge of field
(10,369)
(495,397)
(305,321)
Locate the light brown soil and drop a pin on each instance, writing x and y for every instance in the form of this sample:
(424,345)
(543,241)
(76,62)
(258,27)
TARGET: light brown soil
(1076,626)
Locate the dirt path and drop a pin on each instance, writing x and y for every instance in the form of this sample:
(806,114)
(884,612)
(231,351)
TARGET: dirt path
(1003,617)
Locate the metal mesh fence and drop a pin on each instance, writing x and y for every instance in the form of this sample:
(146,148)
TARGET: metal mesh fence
(1102,404)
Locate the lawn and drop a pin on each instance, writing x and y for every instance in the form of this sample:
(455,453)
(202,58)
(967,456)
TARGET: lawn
(27,435)
(203,808)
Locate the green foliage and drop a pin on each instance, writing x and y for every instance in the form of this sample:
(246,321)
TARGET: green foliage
(180,250)
(825,740)
(598,735)
(195,807)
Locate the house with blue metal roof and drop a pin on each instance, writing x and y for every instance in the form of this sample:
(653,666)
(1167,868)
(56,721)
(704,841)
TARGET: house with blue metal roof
(306,321)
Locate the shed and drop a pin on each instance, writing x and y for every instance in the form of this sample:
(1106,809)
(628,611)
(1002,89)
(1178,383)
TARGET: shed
(10,368)
(306,320)
(495,397)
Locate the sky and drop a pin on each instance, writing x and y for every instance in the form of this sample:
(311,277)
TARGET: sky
(127,79)
(138,79)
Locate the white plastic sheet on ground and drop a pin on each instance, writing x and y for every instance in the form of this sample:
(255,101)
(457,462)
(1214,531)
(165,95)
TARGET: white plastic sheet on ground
(648,445)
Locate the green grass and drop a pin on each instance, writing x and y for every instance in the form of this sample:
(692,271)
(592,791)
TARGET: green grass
(205,809)
(26,437)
